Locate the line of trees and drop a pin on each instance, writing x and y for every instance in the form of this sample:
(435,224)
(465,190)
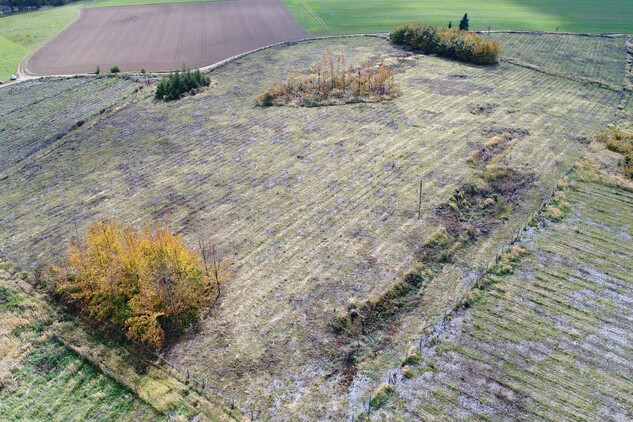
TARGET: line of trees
(11,6)
(146,281)
(454,43)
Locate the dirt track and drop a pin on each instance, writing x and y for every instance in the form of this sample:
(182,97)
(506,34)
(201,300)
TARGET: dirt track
(165,36)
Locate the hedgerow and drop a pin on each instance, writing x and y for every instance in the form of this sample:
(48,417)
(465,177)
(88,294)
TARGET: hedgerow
(179,83)
(448,42)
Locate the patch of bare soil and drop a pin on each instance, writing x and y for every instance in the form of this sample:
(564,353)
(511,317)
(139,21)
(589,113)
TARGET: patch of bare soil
(163,37)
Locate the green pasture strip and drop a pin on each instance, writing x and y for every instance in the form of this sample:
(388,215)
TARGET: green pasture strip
(56,384)
(356,16)
(10,55)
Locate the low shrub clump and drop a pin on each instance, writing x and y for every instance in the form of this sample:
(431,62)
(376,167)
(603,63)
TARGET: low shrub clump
(407,371)
(448,42)
(180,83)
(508,262)
(622,142)
(413,356)
(473,210)
(381,395)
(332,82)
(499,142)
(146,281)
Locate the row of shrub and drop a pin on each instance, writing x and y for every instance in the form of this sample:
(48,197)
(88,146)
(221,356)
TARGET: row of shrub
(145,281)
(330,81)
(180,83)
(448,42)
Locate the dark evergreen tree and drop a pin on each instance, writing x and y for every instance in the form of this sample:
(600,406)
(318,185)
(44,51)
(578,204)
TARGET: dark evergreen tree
(463,24)
(450,24)
(179,83)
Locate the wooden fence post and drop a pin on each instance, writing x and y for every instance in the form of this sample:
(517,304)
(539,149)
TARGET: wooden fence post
(420,200)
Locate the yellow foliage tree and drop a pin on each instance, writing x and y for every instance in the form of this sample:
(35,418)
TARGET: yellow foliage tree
(147,281)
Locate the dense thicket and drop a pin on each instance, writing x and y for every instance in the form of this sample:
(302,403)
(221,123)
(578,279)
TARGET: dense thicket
(146,281)
(448,42)
(331,81)
(10,6)
(179,83)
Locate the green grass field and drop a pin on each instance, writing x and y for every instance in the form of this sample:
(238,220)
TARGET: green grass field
(41,379)
(354,16)
(23,33)
(10,55)
(56,384)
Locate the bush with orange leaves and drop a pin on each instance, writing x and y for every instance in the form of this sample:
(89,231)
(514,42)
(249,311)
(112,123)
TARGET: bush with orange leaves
(331,82)
(146,281)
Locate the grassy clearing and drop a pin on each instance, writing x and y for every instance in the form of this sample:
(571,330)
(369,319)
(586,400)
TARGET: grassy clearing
(29,123)
(316,206)
(10,55)
(597,58)
(548,335)
(338,16)
(23,33)
(535,345)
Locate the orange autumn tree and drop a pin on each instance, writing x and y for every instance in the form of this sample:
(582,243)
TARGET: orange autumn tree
(146,281)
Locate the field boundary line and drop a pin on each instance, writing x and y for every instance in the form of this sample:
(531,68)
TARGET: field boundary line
(581,79)
(208,68)
(581,34)
(219,64)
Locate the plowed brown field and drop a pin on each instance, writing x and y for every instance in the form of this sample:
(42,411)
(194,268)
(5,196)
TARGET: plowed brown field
(165,36)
